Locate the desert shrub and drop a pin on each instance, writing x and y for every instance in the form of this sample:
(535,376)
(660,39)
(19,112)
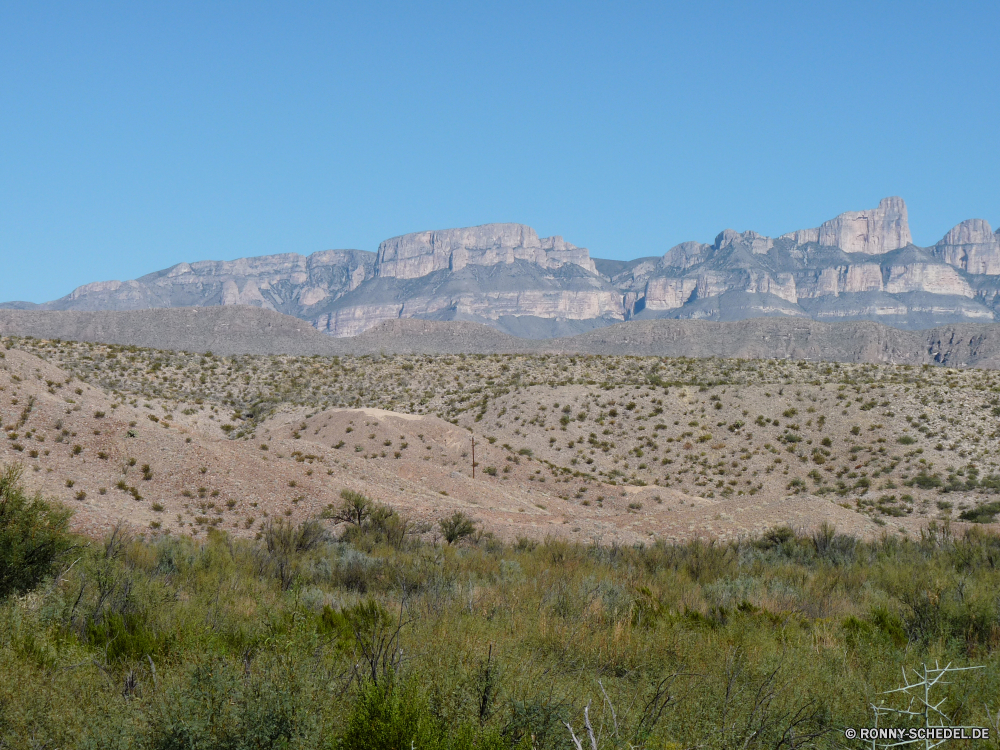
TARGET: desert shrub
(284,538)
(220,705)
(986,513)
(456,527)
(778,537)
(125,636)
(392,714)
(283,546)
(33,535)
(373,635)
(385,717)
(370,521)
(925,481)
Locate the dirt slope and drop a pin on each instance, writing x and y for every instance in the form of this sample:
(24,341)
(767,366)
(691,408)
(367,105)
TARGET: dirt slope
(82,446)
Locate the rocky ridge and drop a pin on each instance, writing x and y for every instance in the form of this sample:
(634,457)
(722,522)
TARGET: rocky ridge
(861,265)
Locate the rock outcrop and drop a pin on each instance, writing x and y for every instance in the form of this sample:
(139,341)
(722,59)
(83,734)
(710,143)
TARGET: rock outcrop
(971,246)
(872,232)
(288,283)
(421,253)
(859,265)
(563,293)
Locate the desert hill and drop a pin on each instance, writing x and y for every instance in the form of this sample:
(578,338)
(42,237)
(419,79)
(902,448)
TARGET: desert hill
(611,448)
(226,330)
(165,465)
(234,330)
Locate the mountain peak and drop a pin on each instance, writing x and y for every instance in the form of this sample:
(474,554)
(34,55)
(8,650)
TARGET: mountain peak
(872,232)
(756,243)
(971,246)
(969,232)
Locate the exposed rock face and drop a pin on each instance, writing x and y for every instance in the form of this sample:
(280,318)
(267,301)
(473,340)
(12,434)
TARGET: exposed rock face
(971,246)
(757,244)
(567,292)
(859,265)
(421,253)
(872,232)
(289,283)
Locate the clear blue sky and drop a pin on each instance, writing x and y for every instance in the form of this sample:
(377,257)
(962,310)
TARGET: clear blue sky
(137,135)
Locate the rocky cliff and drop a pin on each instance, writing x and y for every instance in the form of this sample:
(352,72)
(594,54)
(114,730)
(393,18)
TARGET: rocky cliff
(421,253)
(860,265)
(288,283)
(872,232)
(971,246)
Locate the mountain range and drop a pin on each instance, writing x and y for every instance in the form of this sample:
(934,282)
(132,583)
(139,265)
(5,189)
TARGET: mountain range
(861,265)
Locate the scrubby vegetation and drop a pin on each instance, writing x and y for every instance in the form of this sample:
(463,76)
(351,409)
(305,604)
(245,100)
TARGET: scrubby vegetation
(375,639)
(714,428)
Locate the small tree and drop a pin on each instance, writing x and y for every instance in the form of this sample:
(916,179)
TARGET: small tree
(363,516)
(355,509)
(34,535)
(457,526)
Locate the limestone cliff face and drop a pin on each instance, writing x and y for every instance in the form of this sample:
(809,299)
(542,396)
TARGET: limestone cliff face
(477,292)
(665,293)
(859,265)
(971,246)
(288,283)
(872,232)
(757,244)
(842,279)
(421,253)
(484,307)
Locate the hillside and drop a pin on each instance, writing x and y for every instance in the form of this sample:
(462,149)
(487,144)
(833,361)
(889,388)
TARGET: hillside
(584,447)
(235,330)
(226,330)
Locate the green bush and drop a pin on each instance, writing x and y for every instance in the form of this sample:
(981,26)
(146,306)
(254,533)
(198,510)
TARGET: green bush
(925,481)
(390,716)
(370,521)
(220,707)
(457,526)
(34,535)
(986,513)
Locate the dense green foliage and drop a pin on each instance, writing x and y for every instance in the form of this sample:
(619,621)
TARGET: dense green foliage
(32,535)
(301,640)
